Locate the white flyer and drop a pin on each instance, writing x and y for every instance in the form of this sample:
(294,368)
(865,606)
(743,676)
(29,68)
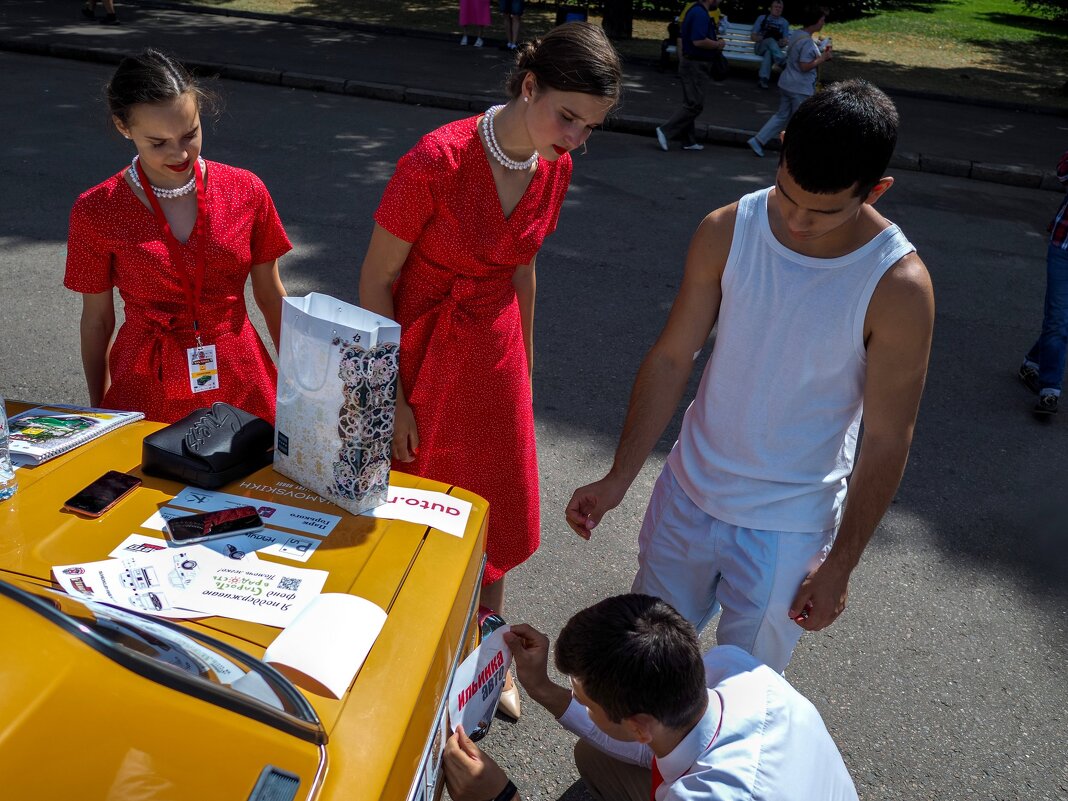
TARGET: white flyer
(142,582)
(324,648)
(276,543)
(261,592)
(434,509)
(142,543)
(478,682)
(294,518)
(188,582)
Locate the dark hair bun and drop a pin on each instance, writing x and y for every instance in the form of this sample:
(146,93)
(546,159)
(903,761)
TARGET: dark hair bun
(573,57)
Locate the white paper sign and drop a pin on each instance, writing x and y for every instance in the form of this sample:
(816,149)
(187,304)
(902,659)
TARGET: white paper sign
(434,509)
(195,582)
(143,582)
(142,543)
(277,543)
(328,641)
(291,517)
(263,592)
(478,682)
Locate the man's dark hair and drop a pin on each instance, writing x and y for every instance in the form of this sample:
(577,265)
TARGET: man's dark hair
(810,16)
(841,137)
(635,654)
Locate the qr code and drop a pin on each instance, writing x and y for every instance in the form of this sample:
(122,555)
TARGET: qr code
(289,584)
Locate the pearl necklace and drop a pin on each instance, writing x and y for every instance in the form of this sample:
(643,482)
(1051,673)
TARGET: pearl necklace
(495,149)
(185,189)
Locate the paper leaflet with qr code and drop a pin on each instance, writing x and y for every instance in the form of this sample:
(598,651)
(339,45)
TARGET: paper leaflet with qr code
(261,592)
(194,581)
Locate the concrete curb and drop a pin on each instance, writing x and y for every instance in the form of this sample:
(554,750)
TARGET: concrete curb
(1005,174)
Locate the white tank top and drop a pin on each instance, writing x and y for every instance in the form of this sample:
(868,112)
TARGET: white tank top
(769,440)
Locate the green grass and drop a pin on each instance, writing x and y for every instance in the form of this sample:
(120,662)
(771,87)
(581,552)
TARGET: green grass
(990,49)
(963,20)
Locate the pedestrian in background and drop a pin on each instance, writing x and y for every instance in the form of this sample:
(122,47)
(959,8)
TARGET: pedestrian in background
(512,11)
(1043,367)
(474,14)
(110,17)
(798,81)
(700,60)
(771,33)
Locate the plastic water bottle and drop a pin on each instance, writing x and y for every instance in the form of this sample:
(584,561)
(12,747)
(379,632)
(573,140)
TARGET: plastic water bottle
(8,482)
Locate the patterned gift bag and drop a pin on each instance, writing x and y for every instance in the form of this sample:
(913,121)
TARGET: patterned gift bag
(337,390)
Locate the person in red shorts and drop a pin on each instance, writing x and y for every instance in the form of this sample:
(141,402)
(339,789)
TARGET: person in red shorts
(178,236)
(452,260)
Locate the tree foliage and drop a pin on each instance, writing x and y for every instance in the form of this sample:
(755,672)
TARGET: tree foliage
(1055,9)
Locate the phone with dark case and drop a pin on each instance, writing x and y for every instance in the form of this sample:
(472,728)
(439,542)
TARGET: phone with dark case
(209,525)
(102,494)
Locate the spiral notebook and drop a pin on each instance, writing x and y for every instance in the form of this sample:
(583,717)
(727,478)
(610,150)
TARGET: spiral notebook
(45,432)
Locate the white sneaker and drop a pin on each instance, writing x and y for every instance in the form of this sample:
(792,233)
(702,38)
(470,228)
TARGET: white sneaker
(694,146)
(478,42)
(755,145)
(463,40)
(662,140)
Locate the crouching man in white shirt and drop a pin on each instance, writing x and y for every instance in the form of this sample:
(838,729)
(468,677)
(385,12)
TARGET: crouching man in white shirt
(657,721)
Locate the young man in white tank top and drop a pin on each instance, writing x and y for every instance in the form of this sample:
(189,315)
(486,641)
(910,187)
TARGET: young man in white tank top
(825,315)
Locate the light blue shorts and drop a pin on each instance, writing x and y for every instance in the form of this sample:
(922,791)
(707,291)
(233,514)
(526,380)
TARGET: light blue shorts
(698,564)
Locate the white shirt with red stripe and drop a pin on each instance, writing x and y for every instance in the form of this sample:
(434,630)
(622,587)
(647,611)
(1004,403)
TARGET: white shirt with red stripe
(759,740)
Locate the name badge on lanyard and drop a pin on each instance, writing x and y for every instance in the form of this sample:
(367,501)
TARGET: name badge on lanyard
(202,362)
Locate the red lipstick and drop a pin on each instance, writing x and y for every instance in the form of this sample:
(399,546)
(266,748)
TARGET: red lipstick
(179,167)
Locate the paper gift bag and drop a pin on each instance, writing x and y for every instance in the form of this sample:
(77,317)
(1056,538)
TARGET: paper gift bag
(337,390)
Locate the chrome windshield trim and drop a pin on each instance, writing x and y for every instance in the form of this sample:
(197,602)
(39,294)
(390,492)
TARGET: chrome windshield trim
(472,609)
(307,727)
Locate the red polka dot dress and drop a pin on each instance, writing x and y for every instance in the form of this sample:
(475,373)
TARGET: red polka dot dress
(116,241)
(463,364)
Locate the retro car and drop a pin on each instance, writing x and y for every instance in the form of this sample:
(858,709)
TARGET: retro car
(122,705)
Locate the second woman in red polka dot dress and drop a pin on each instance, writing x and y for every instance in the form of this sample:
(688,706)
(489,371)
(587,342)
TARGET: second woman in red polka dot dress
(452,260)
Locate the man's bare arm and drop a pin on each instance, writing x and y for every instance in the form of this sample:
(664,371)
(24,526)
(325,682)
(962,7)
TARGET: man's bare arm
(665,370)
(900,325)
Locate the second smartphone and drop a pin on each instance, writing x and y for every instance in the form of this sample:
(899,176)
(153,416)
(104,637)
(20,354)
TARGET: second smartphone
(209,525)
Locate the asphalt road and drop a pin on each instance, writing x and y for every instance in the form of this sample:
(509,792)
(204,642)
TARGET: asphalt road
(946,676)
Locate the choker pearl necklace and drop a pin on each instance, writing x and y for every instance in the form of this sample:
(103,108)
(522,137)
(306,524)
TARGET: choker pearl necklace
(185,189)
(495,149)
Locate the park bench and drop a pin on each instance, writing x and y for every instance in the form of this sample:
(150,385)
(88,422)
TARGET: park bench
(739,47)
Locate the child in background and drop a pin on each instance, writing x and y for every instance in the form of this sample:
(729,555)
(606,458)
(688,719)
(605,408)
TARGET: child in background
(798,81)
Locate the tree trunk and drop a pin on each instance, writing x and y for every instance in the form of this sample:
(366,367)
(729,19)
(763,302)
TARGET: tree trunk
(618,21)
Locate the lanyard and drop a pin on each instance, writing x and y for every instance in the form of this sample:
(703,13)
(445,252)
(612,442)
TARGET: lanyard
(191,285)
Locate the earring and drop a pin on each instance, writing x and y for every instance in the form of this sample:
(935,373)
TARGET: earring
(584,149)
(526,99)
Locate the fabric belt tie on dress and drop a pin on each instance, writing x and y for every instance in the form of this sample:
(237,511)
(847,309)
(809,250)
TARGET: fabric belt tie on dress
(169,333)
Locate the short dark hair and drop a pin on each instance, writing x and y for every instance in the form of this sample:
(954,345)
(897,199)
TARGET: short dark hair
(810,15)
(573,57)
(153,76)
(635,654)
(841,137)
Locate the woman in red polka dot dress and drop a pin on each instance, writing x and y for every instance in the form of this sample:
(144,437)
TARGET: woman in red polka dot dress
(179,237)
(452,260)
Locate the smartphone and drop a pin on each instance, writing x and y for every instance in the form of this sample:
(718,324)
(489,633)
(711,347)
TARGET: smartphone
(209,525)
(102,494)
